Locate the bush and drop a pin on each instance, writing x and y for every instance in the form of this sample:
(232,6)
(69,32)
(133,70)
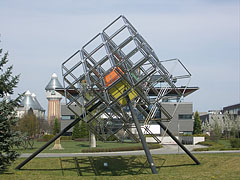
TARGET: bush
(48,137)
(66,138)
(235,143)
(112,138)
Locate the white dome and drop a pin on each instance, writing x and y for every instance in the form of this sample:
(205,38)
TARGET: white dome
(54,75)
(27,93)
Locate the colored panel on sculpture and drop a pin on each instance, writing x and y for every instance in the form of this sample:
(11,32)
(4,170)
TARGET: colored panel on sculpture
(119,89)
(112,76)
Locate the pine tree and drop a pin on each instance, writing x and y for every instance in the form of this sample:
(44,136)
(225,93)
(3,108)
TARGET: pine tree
(197,128)
(8,136)
(76,131)
(56,127)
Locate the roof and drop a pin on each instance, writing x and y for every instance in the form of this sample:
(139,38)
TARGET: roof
(36,102)
(231,107)
(30,101)
(53,83)
(187,91)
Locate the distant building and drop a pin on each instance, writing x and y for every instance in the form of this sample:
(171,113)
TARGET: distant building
(54,99)
(232,109)
(210,118)
(226,118)
(30,102)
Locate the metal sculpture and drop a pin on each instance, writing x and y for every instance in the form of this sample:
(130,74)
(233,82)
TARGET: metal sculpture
(112,74)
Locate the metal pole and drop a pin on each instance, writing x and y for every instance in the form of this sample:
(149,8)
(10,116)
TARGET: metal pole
(57,136)
(145,112)
(144,144)
(178,142)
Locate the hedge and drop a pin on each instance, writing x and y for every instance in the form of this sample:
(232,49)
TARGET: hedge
(235,143)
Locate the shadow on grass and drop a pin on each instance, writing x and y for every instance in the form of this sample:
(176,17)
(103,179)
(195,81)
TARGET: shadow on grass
(6,173)
(179,165)
(108,166)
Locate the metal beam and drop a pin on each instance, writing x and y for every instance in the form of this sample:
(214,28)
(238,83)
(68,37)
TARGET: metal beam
(178,142)
(145,112)
(143,140)
(57,136)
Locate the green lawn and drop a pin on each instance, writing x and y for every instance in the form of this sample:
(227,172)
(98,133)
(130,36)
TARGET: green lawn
(213,166)
(76,146)
(219,145)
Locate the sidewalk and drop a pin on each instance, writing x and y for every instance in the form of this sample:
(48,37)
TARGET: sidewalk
(167,149)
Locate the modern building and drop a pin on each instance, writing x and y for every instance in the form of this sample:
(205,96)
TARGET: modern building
(54,99)
(30,102)
(182,121)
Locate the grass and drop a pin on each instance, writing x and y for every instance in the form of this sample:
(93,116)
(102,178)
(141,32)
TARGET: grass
(219,145)
(77,147)
(213,166)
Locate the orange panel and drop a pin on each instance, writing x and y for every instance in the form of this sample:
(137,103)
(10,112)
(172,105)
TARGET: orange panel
(112,76)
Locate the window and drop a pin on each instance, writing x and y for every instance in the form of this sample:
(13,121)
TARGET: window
(68,117)
(186,132)
(185,116)
(53,92)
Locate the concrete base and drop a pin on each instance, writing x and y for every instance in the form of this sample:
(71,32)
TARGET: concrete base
(169,140)
(57,145)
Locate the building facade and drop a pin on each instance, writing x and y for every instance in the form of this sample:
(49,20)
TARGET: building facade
(182,121)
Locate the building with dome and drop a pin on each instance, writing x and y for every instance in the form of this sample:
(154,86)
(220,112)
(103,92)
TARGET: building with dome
(54,99)
(30,102)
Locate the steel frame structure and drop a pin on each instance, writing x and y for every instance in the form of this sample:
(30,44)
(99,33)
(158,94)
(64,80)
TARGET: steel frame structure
(111,73)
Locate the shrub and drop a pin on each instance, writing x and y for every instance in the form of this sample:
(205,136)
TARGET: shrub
(47,137)
(235,143)
(66,138)
(112,138)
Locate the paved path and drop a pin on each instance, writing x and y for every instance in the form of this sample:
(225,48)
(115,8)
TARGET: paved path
(167,149)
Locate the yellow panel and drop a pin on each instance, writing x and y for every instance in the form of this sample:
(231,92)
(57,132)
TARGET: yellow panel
(118,90)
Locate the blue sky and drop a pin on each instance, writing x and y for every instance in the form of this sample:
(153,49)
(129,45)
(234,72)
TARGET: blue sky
(204,35)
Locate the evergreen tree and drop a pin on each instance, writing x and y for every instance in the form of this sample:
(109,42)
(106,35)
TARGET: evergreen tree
(84,130)
(76,131)
(8,137)
(56,127)
(197,128)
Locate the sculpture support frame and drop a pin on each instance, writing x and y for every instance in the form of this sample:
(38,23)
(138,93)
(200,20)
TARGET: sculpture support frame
(131,82)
